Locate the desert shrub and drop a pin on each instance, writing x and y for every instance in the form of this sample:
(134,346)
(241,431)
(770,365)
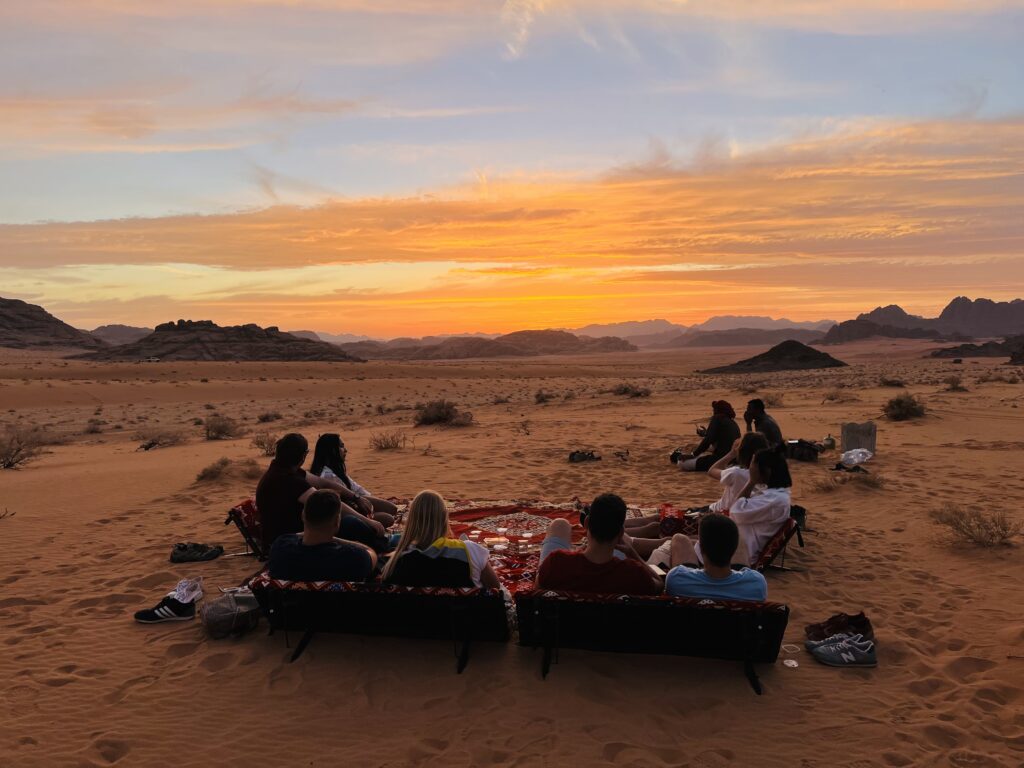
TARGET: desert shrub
(266,442)
(886,381)
(954,384)
(500,400)
(214,471)
(210,407)
(154,437)
(903,407)
(388,441)
(570,395)
(836,480)
(443,412)
(541,397)
(998,376)
(94,426)
(748,388)
(221,428)
(977,526)
(269,416)
(773,400)
(250,470)
(839,396)
(19,445)
(631,390)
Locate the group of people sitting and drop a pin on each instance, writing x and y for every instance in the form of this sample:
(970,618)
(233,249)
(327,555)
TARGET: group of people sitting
(321,525)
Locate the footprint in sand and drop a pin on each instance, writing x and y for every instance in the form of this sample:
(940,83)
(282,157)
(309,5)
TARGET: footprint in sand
(111,750)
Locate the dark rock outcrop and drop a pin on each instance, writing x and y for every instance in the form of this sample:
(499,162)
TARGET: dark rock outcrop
(788,356)
(855,330)
(739,337)
(1013,345)
(28,326)
(203,340)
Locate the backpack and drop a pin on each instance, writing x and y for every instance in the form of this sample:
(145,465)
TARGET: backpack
(802,450)
(232,614)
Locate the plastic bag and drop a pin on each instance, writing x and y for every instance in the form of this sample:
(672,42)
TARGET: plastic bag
(855,457)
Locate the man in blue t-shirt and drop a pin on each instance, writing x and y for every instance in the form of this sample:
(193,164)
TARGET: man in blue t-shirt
(716,580)
(317,554)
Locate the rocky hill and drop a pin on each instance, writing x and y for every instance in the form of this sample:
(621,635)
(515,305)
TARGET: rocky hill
(739,337)
(1013,345)
(855,330)
(28,326)
(518,344)
(120,334)
(203,340)
(788,356)
(962,316)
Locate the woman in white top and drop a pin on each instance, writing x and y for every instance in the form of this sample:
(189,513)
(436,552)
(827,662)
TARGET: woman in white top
(732,478)
(764,503)
(329,461)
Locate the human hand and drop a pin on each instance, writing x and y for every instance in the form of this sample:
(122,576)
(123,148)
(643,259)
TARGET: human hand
(364,505)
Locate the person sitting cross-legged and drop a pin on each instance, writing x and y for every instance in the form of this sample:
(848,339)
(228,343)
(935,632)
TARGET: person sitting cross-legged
(714,579)
(317,554)
(608,564)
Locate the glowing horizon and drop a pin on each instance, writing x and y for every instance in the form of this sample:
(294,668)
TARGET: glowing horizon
(412,168)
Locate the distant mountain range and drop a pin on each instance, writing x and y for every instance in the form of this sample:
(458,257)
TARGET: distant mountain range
(518,344)
(120,334)
(204,340)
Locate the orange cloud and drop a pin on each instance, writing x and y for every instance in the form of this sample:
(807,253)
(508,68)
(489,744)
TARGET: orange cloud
(912,213)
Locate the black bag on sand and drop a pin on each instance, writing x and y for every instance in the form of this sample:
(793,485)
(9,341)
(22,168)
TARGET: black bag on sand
(230,615)
(802,450)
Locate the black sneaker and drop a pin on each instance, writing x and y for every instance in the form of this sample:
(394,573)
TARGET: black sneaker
(167,609)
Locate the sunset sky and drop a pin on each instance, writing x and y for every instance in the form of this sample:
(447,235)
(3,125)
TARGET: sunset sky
(405,167)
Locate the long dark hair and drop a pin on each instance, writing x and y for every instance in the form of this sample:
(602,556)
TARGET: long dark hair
(773,468)
(328,454)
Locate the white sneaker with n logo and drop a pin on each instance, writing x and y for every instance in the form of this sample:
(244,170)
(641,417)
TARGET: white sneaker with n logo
(851,652)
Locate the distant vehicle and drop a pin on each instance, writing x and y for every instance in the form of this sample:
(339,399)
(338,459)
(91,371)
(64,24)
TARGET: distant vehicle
(151,360)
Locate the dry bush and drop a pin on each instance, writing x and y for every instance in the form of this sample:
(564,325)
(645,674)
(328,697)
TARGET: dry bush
(839,396)
(93,427)
(265,418)
(266,442)
(836,480)
(214,471)
(954,384)
(903,407)
(886,381)
(986,529)
(997,376)
(6,514)
(19,445)
(500,400)
(748,388)
(154,437)
(632,390)
(249,469)
(388,441)
(773,400)
(443,412)
(221,428)
(542,397)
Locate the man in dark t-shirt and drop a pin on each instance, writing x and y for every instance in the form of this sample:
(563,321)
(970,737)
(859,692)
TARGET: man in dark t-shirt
(285,486)
(758,420)
(608,564)
(316,554)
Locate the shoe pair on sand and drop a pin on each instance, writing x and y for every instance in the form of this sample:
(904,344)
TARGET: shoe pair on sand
(843,641)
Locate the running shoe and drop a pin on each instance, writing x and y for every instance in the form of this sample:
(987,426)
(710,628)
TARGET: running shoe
(847,653)
(168,609)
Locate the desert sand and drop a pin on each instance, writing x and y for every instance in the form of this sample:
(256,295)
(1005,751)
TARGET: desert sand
(94,520)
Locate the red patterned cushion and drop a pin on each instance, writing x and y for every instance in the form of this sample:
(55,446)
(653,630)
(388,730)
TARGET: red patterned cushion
(776,544)
(263,580)
(250,517)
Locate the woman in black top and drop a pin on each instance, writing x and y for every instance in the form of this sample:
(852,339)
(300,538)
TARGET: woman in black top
(722,431)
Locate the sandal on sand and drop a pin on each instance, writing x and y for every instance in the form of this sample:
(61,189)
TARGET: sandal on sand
(195,553)
(576,457)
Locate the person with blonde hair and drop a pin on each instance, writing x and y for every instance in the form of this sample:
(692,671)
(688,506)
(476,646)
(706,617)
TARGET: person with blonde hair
(428,555)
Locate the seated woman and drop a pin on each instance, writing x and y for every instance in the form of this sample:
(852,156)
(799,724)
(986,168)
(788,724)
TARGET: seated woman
(720,434)
(329,462)
(428,555)
(732,477)
(761,507)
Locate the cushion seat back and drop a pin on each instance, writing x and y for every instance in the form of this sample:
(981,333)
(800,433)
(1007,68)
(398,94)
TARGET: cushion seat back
(666,625)
(414,569)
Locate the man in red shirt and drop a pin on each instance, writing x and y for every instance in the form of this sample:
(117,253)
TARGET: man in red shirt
(608,564)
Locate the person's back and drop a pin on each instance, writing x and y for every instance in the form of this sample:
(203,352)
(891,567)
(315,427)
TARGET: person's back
(596,568)
(316,554)
(719,538)
(279,492)
(293,560)
(756,418)
(765,503)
